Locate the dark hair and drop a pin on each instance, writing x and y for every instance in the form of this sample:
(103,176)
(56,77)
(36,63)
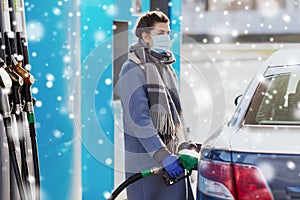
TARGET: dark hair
(147,21)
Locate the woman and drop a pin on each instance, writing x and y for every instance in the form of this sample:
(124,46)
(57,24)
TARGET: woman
(152,111)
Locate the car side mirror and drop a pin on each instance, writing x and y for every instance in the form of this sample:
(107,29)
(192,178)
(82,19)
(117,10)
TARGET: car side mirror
(237,100)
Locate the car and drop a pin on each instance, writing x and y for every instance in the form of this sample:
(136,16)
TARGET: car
(256,155)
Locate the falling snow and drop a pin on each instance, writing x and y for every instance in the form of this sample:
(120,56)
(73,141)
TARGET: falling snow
(35,31)
(52,55)
(291,165)
(267,170)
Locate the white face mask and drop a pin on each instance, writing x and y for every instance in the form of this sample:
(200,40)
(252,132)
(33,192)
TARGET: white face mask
(161,43)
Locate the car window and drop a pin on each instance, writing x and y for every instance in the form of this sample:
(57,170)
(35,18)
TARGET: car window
(276,100)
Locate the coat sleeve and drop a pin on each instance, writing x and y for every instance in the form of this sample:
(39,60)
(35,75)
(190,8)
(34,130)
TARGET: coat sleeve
(137,120)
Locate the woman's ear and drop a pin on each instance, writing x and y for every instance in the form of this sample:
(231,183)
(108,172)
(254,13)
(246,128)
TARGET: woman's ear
(146,37)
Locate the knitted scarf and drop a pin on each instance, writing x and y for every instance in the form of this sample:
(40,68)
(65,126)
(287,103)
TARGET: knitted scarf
(164,102)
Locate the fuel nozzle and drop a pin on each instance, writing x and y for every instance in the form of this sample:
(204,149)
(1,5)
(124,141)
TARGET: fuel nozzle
(188,155)
(27,77)
(16,78)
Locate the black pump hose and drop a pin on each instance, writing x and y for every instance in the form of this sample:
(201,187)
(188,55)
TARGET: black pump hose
(129,181)
(32,133)
(13,157)
(135,177)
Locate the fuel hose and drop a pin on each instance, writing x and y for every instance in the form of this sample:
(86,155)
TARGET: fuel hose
(134,178)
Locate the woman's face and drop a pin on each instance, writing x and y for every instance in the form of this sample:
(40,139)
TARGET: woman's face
(158,29)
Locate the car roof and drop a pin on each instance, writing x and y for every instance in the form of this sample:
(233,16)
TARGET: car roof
(289,56)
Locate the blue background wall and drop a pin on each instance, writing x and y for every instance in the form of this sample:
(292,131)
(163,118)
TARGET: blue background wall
(70,47)
(97,119)
(50,26)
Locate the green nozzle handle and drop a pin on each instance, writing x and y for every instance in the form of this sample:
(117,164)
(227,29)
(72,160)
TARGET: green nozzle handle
(188,159)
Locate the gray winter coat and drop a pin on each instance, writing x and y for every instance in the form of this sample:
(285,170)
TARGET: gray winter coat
(142,140)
